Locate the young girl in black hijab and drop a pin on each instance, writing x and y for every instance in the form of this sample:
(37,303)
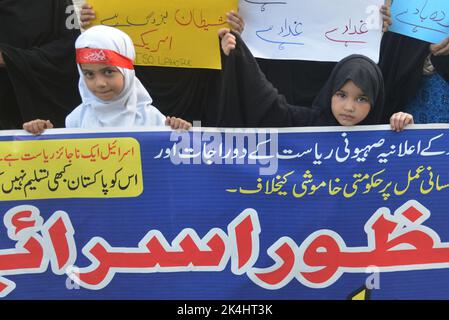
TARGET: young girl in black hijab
(353,94)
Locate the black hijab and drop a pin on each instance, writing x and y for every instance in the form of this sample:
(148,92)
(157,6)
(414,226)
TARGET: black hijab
(366,75)
(250,100)
(40,79)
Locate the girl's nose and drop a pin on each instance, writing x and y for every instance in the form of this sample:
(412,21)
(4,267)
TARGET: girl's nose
(100,82)
(349,106)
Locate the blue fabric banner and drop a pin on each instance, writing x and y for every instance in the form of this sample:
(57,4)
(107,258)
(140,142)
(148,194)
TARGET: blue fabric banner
(238,214)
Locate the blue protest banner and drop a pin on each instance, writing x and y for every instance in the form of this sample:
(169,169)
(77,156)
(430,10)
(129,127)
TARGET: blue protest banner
(426,20)
(235,214)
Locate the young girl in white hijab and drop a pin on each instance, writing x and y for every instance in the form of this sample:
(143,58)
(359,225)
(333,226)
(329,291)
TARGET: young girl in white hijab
(112,96)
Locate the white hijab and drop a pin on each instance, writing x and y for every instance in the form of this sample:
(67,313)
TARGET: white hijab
(133,105)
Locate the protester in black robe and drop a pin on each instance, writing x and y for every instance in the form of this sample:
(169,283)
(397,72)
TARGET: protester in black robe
(402,62)
(298,80)
(38,78)
(250,100)
(189,94)
(440,58)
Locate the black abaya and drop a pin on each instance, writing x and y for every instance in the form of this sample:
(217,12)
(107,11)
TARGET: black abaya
(40,79)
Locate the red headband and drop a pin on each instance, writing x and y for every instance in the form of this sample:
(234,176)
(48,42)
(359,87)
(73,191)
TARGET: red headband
(103,56)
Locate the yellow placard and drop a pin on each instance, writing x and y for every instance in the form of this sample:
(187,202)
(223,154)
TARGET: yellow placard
(173,33)
(70,168)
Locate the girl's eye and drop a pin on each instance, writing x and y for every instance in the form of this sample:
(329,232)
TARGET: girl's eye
(109,72)
(340,94)
(362,99)
(88,75)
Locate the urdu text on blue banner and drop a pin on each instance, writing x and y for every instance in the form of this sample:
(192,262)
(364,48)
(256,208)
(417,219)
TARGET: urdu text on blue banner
(225,214)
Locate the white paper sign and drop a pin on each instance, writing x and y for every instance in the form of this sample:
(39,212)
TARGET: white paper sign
(317,30)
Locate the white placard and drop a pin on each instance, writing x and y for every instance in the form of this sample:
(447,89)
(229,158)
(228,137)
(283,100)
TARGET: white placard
(317,30)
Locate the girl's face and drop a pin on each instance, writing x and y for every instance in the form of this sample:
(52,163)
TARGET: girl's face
(104,81)
(349,105)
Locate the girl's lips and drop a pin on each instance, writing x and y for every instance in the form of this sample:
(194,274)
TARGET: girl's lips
(347,117)
(104,95)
